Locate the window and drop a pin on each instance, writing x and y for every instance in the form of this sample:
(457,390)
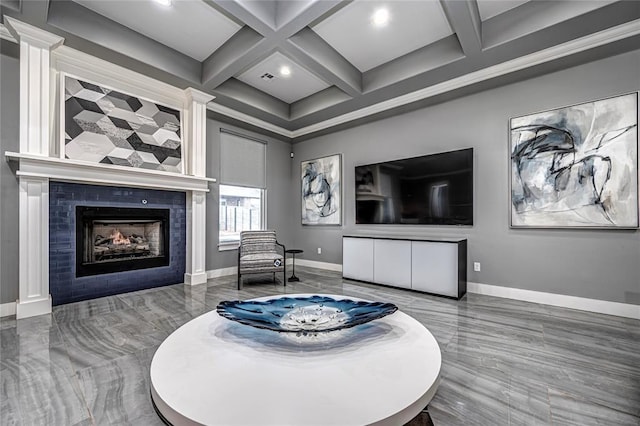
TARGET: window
(240,210)
(242,187)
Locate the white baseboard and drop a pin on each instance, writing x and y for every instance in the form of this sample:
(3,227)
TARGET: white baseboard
(7,309)
(320,265)
(572,302)
(195,279)
(232,270)
(222,272)
(33,308)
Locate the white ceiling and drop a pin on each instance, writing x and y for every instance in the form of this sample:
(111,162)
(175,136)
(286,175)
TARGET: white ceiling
(490,8)
(191,27)
(412,24)
(300,84)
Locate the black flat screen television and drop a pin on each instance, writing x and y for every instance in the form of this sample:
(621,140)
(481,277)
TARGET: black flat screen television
(433,189)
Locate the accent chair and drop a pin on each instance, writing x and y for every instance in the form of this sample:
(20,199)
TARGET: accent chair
(258,253)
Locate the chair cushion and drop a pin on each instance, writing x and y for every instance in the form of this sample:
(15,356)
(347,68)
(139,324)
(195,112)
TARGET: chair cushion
(257,242)
(261,262)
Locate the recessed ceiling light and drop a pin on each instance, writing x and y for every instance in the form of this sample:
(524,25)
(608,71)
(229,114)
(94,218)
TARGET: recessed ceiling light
(380,17)
(165,3)
(285,71)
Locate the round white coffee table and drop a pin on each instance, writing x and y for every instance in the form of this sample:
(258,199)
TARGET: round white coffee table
(212,371)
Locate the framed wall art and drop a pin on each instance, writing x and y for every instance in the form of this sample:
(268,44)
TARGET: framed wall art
(322,191)
(577,166)
(101,125)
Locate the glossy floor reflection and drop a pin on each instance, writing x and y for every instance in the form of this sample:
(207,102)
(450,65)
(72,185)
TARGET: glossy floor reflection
(504,362)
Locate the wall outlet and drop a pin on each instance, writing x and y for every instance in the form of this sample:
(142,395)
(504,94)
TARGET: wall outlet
(319,250)
(476,266)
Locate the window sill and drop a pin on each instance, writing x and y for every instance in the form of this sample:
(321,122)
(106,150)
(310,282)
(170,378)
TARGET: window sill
(228,246)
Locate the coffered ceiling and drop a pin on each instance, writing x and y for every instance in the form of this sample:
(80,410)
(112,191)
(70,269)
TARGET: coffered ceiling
(300,67)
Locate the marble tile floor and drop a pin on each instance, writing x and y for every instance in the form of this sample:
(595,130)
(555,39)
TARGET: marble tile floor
(505,362)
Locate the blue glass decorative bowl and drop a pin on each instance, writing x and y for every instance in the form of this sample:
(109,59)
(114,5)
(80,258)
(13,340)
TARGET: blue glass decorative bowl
(314,314)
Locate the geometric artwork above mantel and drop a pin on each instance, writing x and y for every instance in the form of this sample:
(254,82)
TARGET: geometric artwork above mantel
(109,127)
(577,166)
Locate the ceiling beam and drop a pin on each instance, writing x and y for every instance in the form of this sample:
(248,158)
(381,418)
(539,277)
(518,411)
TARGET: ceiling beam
(275,17)
(314,53)
(464,19)
(249,95)
(11,4)
(414,63)
(243,16)
(549,23)
(239,52)
(36,11)
(318,101)
(306,17)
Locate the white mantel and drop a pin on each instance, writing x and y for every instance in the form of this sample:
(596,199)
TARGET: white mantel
(42,58)
(39,166)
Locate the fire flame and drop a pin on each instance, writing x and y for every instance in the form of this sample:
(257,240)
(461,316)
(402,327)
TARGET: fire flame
(118,238)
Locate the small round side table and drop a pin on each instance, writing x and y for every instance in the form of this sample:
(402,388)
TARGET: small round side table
(293,253)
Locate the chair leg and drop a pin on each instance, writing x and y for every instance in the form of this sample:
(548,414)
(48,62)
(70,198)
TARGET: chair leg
(284,273)
(239,281)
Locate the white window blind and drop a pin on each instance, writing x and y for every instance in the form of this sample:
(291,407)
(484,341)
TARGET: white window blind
(242,160)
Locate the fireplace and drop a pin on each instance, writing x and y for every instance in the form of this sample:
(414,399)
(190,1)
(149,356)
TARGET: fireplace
(115,239)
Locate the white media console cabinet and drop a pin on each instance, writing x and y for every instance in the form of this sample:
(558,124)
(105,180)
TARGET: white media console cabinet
(437,266)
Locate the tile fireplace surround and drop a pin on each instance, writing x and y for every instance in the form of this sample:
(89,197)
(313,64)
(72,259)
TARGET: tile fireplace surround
(41,166)
(64,284)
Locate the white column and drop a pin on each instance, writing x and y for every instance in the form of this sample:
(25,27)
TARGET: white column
(34,298)
(195,272)
(35,138)
(35,93)
(195,131)
(195,137)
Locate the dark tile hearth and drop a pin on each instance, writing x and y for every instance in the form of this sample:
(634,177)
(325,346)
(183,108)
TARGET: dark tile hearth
(505,362)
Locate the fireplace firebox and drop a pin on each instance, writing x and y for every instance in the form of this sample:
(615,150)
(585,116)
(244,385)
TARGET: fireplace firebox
(115,239)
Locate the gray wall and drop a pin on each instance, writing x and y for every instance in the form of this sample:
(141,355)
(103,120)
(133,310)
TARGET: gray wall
(279,212)
(595,264)
(9,134)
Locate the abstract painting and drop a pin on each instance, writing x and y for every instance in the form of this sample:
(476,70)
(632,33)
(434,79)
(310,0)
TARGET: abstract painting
(109,127)
(576,167)
(321,191)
